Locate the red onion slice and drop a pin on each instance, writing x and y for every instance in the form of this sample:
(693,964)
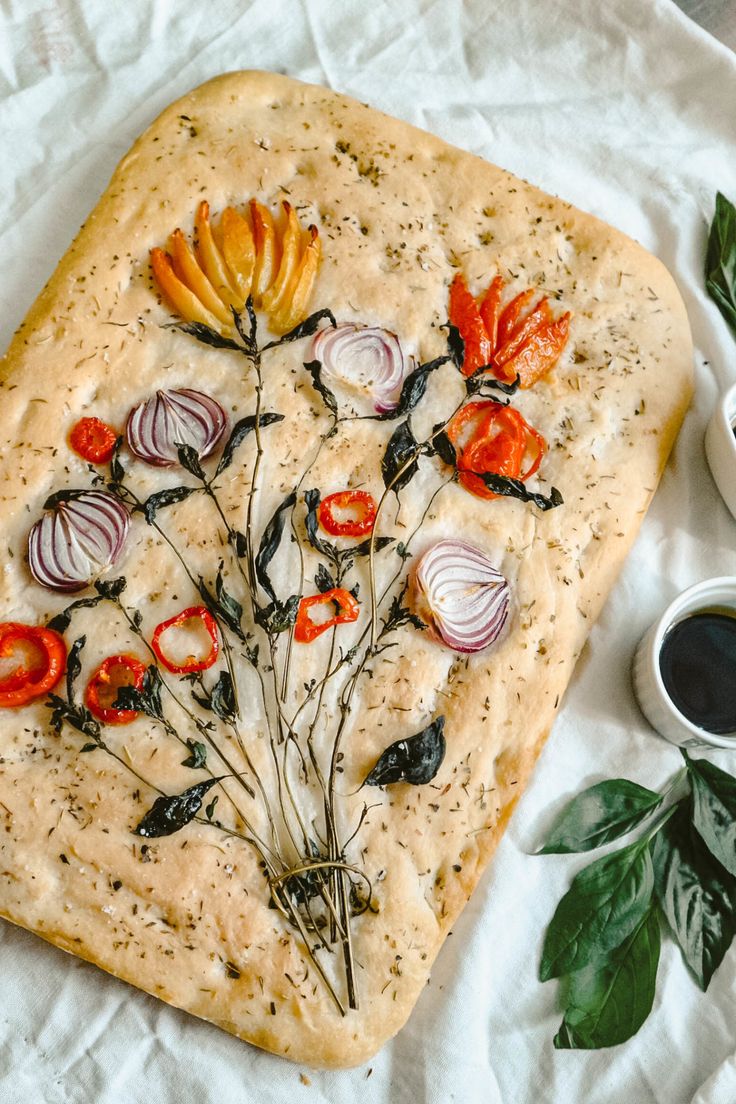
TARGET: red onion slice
(365,358)
(80,539)
(170,418)
(462,595)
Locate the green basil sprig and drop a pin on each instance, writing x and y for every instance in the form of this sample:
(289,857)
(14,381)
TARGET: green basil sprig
(720,259)
(603,941)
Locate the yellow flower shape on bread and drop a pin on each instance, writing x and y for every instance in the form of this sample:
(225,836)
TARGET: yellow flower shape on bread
(239,258)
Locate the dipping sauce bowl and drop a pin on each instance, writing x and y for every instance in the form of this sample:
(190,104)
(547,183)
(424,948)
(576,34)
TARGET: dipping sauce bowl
(697,662)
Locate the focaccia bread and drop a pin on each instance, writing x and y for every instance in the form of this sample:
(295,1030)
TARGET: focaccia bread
(303,909)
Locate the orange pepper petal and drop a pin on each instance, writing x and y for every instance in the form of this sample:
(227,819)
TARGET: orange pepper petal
(184,301)
(523,331)
(264,238)
(211,261)
(191,275)
(490,310)
(464,314)
(511,313)
(541,352)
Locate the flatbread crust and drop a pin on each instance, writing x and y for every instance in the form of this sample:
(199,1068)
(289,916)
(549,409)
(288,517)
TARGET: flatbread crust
(399,211)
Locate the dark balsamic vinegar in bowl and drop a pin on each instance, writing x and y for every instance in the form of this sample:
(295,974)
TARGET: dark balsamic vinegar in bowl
(697,662)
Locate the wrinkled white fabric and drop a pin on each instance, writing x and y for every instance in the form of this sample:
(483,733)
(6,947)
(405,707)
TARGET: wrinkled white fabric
(627,110)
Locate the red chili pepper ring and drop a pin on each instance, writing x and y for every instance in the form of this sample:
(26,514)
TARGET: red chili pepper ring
(102,688)
(307,630)
(39,657)
(191,663)
(361,507)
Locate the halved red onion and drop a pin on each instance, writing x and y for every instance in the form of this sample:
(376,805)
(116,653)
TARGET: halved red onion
(170,418)
(464,598)
(366,358)
(78,540)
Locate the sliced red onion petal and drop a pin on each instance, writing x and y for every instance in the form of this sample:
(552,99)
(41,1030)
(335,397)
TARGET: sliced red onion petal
(366,358)
(170,418)
(467,597)
(79,540)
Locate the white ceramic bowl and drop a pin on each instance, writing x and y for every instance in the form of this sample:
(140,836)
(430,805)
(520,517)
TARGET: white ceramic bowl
(655,702)
(720,447)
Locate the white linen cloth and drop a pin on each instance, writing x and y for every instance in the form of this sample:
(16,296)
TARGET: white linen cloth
(626,109)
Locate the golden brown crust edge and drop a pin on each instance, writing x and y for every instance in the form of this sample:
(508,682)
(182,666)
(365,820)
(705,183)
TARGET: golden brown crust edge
(321,1039)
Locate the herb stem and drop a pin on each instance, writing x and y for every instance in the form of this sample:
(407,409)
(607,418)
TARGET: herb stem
(404,467)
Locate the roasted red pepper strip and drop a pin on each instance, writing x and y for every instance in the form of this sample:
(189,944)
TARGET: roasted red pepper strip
(539,354)
(307,630)
(489,437)
(511,314)
(93,440)
(191,663)
(41,659)
(465,315)
(102,688)
(490,310)
(357,502)
(540,316)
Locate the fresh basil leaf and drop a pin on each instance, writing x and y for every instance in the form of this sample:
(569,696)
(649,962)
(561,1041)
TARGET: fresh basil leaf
(413,389)
(222,698)
(61,621)
(455,345)
(401,452)
(61,496)
(277,617)
(206,335)
(364,548)
(480,382)
(240,431)
(697,894)
(74,666)
(270,542)
(303,329)
(314,367)
(443,446)
(249,338)
(720,259)
(230,608)
(239,542)
(189,460)
(197,755)
(117,471)
(323,580)
(161,499)
(398,614)
(714,809)
(415,760)
(168,814)
(223,607)
(146,700)
(75,715)
(111,589)
(311,523)
(608,1003)
(514,488)
(601,813)
(603,906)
